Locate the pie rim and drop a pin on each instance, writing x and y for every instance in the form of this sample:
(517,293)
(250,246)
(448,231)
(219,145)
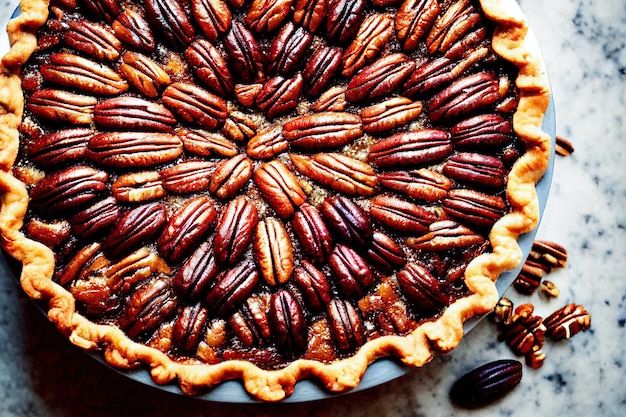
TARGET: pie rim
(416,349)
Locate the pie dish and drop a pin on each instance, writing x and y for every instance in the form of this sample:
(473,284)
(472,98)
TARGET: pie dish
(268,191)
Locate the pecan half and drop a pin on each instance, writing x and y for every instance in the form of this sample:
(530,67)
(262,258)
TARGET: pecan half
(136,187)
(251,323)
(95,218)
(288,50)
(384,253)
(267,15)
(418,147)
(168,17)
(213,17)
(234,230)
(444,235)
(195,105)
(186,228)
(125,273)
(346,220)
(273,251)
(246,93)
(485,130)
(194,278)
(372,36)
(189,328)
(313,235)
(104,9)
(187,177)
(133,113)
(451,26)
(421,288)
(93,39)
(144,74)
(343,19)
(322,66)
(339,172)
(390,114)
(60,147)
(232,287)
(245,53)
(346,325)
(239,127)
(567,322)
(310,13)
(400,215)
(288,322)
(75,72)
(279,95)
(414,20)
(135,227)
(313,284)
(68,189)
(487,383)
(379,79)
(230,176)
(324,130)
(334,99)
(352,273)
(267,144)
(133,149)
(62,106)
(468,94)
(482,171)
(279,187)
(421,184)
(131,28)
(203,143)
(474,207)
(210,67)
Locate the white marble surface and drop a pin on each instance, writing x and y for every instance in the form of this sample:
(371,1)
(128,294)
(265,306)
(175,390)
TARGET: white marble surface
(584,43)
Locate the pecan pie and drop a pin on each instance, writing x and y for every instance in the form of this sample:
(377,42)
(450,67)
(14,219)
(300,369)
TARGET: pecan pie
(268,190)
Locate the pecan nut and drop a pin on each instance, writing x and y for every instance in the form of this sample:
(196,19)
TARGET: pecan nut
(451,26)
(279,95)
(482,171)
(347,220)
(93,39)
(144,74)
(474,207)
(133,149)
(352,273)
(346,325)
(136,187)
(313,284)
(232,287)
(468,94)
(133,113)
(567,322)
(230,176)
(421,288)
(279,187)
(189,327)
(324,130)
(267,144)
(389,114)
(131,28)
(487,383)
(420,184)
(343,19)
(334,99)
(195,105)
(384,253)
(196,275)
(60,147)
(273,251)
(310,13)
(267,15)
(486,130)
(371,38)
(288,50)
(251,323)
(95,218)
(322,66)
(444,235)
(187,177)
(400,215)
(313,235)
(213,17)
(168,17)
(62,106)
(234,231)
(203,143)
(380,78)
(414,20)
(288,323)
(239,127)
(245,53)
(210,67)
(417,147)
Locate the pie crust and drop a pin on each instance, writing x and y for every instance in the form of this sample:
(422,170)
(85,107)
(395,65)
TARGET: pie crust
(442,334)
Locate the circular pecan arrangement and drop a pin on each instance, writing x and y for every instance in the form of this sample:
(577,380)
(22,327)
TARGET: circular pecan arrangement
(265,181)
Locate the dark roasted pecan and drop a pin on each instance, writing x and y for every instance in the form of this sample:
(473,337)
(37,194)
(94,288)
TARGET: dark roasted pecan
(197,273)
(379,79)
(189,327)
(370,40)
(96,218)
(314,237)
(346,325)
(135,227)
(133,113)
(400,215)
(234,230)
(339,172)
(334,99)
(131,28)
(414,19)
(503,312)
(195,105)
(279,187)
(245,53)
(203,143)
(420,287)
(210,67)
(526,332)
(313,284)
(62,106)
(474,207)
(310,13)
(53,234)
(94,295)
(186,228)
(421,184)
(230,176)
(324,130)
(485,130)
(169,19)
(322,66)
(352,274)
(451,26)
(273,251)
(213,17)
(468,94)
(288,50)
(78,268)
(444,235)
(529,278)
(251,323)
(389,114)
(239,127)
(567,322)
(348,221)
(125,273)
(267,144)
(103,9)
(470,42)
(563,146)
(418,147)
(343,20)
(148,306)
(384,253)
(487,383)
(232,287)
(246,93)
(288,323)
(476,169)
(267,15)
(75,72)
(136,187)
(279,95)
(548,254)
(134,149)
(144,74)
(93,39)
(68,189)
(60,147)
(187,177)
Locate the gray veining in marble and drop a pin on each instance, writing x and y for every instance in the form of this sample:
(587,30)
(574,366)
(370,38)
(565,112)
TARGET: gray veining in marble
(584,44)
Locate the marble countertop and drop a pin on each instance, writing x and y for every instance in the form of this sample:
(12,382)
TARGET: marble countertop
(584,44)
